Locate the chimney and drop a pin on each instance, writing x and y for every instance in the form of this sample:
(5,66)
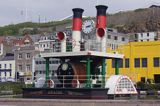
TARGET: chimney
(76,29)
(101,26)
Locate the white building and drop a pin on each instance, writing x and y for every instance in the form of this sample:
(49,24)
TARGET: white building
(144,36)
(115,39)
(7,68)
(45,42)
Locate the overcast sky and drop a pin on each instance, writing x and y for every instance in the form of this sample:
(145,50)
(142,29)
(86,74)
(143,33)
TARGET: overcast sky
(14,11)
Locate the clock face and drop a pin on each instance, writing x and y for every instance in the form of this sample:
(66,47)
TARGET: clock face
(64,66)
(88,26)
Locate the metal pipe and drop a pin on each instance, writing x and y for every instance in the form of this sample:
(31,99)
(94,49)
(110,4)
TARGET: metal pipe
(103,71)
(88,68)
(116,66)
(47,70)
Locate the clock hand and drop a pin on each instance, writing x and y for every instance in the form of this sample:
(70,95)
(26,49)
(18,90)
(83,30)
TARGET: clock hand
(88,26)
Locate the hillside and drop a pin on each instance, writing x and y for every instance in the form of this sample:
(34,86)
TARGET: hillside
(140,20)
(15,29)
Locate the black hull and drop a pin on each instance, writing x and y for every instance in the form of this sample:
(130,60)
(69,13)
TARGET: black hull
(65,93)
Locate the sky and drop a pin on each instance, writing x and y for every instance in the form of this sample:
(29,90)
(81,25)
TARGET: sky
(18,11)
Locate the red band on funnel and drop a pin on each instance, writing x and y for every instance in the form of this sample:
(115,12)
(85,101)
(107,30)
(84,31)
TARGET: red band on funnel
(77,24)
(101,22)
(60,36)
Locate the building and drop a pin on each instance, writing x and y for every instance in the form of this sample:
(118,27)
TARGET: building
(7,68)
(21,41)
(115,39)
(144,36)
(45,42)
(141,62)
(24,58)
(5,45)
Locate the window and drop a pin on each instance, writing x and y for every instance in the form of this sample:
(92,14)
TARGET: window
(115,38)
(5,73)
(56,61)
(141,34)
(28,78)
(28,67)
(40,62)
(120,62)
(10,66)
(109,36)
(20,67)
(10,74)
(156,62)
(144,62)
(123,39)
(137,62)
(20,56)
(36,62)
(28,55)
(127,63)
(136,36)
(5,66)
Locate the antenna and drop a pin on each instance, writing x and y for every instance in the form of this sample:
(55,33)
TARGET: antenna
(26,11)
(39,18)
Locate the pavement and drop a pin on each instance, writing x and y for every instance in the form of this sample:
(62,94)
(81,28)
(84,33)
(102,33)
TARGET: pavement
(71,102)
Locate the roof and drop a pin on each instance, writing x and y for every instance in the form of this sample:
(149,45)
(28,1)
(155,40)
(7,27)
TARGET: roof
(120,84)
(81,53)
(35,37)
(22,40)
(8,56)
(2,39)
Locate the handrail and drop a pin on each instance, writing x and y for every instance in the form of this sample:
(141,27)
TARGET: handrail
(77,81)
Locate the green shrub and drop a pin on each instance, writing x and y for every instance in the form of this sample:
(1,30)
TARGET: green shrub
(16,87)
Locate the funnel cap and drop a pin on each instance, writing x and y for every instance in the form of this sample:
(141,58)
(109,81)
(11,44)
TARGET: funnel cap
(77,12)
(101,10)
